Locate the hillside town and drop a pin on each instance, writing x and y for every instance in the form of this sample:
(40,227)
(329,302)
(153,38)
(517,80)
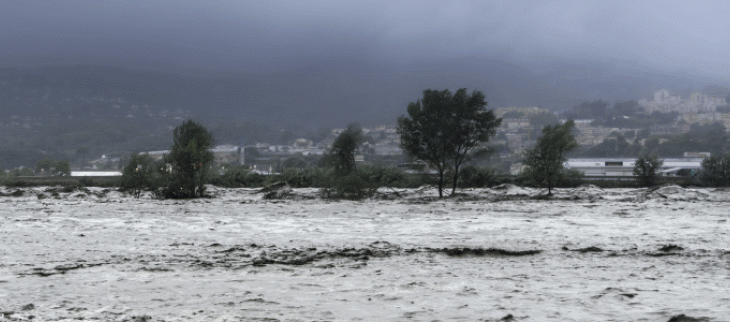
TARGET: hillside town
(518,131)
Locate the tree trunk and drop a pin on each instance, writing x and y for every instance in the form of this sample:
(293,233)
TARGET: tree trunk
(456,178)
(441,183)
(550,187)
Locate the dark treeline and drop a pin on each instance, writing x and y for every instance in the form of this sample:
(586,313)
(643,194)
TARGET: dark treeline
(81,112)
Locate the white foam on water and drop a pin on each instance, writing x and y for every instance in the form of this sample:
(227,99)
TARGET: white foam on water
(123,257)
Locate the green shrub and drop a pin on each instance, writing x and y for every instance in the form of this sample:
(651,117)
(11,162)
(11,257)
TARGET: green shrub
(137,174)
(571,178)
(86,182)
(566,178)
(382,176)
(237,176)
(307,177)
(645,168)
(473,177)
(716,171)
(190,161)
(351,187)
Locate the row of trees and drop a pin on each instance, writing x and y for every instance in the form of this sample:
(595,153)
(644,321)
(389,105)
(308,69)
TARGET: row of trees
(50,167)
(443,129)
(545,160)
(44,167)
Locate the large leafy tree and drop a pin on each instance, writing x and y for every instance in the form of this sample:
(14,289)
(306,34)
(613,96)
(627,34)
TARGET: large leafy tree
(53,168)
(645,168)
(342,152)
(189,161)
(545,160)
(716,171)
(442,128)
(61,168)
(44,167)
(137,173)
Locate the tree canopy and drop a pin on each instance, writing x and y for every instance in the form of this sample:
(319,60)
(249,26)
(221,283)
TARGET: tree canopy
(189,161)
(53,168)
(716,171)
(137,173)
(342,152)
(442,128)
(545,160)
(645,168)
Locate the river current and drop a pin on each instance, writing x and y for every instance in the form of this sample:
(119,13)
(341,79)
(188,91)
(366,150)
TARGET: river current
(587,254)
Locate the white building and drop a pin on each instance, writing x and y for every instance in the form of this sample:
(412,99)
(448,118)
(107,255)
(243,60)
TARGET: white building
(625,167)
(664,102)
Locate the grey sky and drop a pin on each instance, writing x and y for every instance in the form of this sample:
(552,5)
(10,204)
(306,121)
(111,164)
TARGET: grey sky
(690,36)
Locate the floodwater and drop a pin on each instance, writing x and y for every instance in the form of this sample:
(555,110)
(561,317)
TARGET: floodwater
(587,254)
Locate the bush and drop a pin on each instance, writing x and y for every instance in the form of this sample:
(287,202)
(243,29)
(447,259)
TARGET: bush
(137,174)
(382,176)
(189,162)
(307,177)
(716,171)
(342,152)
(87,182)
(545,160)
(237,176)
(571,178)
(566,178)
(53,167)
(364,182)
(473,177)
(646,168)
(351,187)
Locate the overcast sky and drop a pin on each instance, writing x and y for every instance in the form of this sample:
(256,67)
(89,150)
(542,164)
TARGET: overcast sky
(183,36)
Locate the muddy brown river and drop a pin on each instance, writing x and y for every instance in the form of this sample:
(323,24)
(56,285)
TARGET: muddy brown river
(587,254)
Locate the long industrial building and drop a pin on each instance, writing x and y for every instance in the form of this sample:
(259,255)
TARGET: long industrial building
(625,167)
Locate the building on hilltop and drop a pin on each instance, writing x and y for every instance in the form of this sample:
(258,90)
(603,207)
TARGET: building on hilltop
(664,102)
(525,111)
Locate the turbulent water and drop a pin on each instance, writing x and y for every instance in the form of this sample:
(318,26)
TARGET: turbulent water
(585,254)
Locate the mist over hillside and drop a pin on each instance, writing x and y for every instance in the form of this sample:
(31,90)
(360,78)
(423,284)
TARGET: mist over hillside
(81,112)
(328,93)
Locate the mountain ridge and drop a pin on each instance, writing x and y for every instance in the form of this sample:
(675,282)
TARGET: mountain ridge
(331,95)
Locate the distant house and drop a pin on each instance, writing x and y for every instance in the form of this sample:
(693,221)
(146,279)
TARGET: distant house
(664,102)
(105,163)
(670,129)
(303,144)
